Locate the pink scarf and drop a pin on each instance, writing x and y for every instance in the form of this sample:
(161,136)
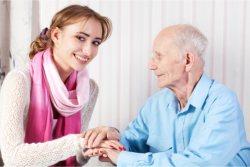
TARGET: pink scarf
(68,100)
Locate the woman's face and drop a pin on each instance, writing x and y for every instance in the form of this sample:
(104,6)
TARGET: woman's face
(77,44)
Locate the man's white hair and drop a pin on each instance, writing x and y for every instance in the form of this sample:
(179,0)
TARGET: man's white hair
(189,39)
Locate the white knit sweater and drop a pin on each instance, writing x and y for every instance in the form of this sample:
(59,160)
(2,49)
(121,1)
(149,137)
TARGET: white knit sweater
(14,113)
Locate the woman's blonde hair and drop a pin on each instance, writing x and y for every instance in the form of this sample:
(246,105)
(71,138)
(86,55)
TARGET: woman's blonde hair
(68,16)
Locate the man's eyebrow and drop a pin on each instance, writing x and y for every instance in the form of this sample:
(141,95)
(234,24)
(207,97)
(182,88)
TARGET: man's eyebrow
(88,35)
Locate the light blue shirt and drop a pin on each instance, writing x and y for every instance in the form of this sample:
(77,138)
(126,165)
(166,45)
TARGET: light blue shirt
(209,131)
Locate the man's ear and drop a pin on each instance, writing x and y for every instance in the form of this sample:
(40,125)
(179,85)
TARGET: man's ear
(56,35)
(190,58)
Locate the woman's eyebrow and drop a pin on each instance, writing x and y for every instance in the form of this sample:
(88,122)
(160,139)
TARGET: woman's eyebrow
(88,35)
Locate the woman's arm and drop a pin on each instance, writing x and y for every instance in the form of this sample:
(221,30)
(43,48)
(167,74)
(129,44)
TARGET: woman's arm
(86,114)
(88,108)
(15,94)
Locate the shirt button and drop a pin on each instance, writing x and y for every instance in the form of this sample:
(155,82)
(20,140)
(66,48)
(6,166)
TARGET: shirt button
(180,118)
(161,147)
(180,146)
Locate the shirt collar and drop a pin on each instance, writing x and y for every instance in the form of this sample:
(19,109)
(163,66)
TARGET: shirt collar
(173,101)
(200,91)
(198,95)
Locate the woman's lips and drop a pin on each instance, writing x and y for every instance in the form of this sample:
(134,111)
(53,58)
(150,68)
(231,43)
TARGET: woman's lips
(80,59)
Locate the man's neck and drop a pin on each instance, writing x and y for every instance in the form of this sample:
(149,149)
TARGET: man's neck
(184,88)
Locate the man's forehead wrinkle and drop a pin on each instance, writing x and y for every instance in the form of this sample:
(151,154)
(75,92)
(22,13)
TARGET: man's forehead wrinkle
(162,44)
(164,40)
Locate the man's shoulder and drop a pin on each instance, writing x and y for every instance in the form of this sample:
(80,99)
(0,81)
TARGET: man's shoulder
(220,91)
(165,95)
(157,103)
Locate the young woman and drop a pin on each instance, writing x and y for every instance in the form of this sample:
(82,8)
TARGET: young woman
(47,103)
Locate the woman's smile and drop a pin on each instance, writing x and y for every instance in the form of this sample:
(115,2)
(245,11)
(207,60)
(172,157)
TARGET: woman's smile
(81,59)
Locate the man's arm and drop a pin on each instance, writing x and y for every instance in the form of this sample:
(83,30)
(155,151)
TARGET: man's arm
(134,138)
(216,145)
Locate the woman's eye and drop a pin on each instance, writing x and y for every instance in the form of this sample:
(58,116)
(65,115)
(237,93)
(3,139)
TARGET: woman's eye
(96,43)
(80,38)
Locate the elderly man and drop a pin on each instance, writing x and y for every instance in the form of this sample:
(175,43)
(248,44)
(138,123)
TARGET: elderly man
(196,121)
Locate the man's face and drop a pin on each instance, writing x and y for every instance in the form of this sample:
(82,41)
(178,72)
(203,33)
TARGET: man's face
(165,62)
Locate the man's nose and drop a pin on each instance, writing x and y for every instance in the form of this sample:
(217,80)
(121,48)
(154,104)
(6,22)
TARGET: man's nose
(151,64)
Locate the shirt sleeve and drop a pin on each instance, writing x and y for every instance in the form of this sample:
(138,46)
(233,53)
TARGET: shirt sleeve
(135,136)
(216,144)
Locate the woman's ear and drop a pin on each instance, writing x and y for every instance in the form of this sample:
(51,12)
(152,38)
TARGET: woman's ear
(56,35)
(190,58)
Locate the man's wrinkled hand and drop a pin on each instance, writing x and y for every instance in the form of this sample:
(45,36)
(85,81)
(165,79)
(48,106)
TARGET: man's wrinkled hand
(93,137)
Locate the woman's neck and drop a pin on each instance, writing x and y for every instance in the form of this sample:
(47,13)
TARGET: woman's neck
(63,69)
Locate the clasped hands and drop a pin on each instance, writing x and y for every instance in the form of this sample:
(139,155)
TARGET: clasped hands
(103,142)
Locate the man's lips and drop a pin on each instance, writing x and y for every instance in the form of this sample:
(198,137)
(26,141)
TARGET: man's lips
(158,76)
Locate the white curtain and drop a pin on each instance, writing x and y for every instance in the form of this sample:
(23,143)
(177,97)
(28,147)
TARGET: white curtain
(120,69)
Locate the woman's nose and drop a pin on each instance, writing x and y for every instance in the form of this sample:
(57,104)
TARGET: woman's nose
(87,49)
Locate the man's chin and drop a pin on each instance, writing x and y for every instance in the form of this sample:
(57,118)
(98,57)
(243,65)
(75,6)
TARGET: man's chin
(161,86)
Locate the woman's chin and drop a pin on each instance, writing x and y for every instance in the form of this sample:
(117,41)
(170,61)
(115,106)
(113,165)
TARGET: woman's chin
(79,68)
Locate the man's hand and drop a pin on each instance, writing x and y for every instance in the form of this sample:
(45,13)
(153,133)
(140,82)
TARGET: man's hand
(112,155)
(93,137)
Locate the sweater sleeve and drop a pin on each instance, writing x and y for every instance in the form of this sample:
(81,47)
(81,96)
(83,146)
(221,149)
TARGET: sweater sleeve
(15,96)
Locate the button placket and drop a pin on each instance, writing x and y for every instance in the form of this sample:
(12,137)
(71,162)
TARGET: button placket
(180,138)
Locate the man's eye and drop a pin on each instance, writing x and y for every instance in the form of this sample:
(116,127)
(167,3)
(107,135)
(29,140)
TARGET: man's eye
(96,43)
(80,38)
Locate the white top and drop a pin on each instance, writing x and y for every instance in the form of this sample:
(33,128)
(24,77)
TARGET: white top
(14,113)
(54,126)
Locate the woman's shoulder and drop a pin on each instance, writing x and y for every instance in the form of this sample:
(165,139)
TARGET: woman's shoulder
(93,87)
(19,74)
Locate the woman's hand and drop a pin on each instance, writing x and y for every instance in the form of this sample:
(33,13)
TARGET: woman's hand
(110,144)
(99,151)
(93,137)
(105,154)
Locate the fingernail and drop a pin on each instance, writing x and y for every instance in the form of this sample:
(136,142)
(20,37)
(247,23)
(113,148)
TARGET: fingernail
(124,148)
(101,151)
(96,152)
(111,146)
(120,148)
